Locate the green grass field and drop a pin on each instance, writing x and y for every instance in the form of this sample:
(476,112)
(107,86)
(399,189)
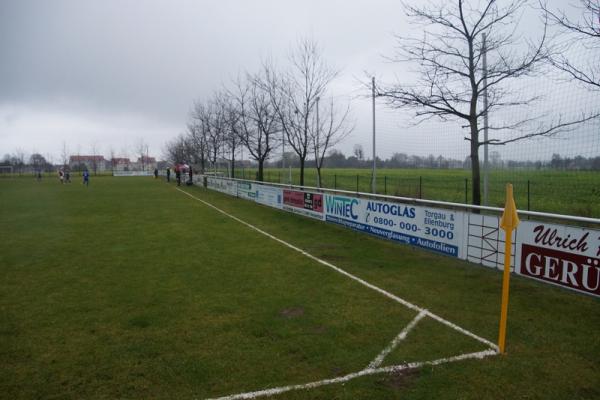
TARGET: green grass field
(562,192)
(132,289)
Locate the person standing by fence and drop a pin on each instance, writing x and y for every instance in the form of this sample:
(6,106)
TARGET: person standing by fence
(178,174)
(168,174)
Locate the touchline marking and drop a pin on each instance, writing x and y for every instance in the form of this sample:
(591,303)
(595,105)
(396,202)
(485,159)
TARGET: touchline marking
(401,336)
(365,372)
(353,277)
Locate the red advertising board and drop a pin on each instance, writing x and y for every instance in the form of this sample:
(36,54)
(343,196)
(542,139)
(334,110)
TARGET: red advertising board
(304,200)
(564,256)
(304,203)
(566,269)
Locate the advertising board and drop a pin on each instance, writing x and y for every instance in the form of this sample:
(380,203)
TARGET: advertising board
(246,190)
(561,255)
(269,195)
(433,229)
(133,173)
(303,203)
(222,185)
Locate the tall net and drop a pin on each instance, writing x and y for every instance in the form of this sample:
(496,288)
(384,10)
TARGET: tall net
(559,173)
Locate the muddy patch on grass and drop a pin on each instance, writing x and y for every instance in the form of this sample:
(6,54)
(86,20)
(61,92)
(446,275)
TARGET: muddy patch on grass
(293,312)
(401,379)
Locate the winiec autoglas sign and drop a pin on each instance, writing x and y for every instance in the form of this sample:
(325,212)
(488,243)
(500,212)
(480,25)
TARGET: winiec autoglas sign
(433,229)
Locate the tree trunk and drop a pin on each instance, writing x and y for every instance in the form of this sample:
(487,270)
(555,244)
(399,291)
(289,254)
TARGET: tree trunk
(233,163)
(302,171)
(260,171)
(475,174)
(319,183)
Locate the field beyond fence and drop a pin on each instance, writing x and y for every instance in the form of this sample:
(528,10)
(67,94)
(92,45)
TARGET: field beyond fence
(560,192)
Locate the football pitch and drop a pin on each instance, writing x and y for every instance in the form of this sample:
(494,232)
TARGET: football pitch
(134,288)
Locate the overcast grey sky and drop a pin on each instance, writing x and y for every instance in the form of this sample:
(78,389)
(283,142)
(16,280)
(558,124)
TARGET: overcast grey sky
(106,73)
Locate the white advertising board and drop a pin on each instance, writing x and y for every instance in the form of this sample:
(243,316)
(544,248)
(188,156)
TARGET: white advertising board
(430,228)
(222,185)
(269,195)
(133,173)
(246,190)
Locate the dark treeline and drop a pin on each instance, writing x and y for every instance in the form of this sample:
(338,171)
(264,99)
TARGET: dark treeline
(337,159)
(21,163)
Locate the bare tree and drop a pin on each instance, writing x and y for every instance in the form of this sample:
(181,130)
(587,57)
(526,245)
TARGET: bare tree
(257,117)
(198,131)
(64,155)
(584,31)
(19,158)
(359,152)
(232,127)
(212,119)
(124,153)
(141,149)
(331,127)
(451,80)
(175,150)
(38,162)
(94,150)
(196,142)
(113,161)
(50,160)
(295,95)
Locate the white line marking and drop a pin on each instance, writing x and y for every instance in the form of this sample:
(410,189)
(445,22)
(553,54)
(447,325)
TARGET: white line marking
(364,372)
(349,275)
(401,336)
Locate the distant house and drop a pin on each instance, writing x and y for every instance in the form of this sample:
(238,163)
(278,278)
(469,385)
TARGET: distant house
(92,163)
(146,163)
(120,164)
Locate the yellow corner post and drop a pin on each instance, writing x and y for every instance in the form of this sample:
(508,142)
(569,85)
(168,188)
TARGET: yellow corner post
(509,221)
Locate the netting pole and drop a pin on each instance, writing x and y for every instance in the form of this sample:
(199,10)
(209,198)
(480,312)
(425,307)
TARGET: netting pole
(374,188)
(486,164)
(420,187)
(317,150)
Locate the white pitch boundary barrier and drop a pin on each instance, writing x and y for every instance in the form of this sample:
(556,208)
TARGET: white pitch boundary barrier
(133,173)
(560,250)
